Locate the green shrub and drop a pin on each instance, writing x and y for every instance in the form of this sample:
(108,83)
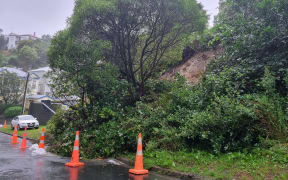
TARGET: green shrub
(97,140)
(216,115)
(272,111)
(203,41)
(12,111)
(228,124)
(3,107)
(61,129)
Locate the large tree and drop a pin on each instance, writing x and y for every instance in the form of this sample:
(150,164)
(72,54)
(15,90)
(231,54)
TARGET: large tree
(11,88)
(137,33)
(40,46)
(254,34)
(27,57)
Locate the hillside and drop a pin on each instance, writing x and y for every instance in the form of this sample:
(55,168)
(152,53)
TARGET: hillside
(193,67)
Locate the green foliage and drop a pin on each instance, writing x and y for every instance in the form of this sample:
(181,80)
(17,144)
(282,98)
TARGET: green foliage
(3,59)
(239,101)
(61,133)
(253,35)
(3,107)
(141,37)
(256,163)
(203,41)
(80,71)
(226,125)
(96,141)
(10,89)
(216,115)
(29,54)
(12,111)
(272,112)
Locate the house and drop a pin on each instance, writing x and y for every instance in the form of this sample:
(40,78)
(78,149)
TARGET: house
(13,39)
(39,82)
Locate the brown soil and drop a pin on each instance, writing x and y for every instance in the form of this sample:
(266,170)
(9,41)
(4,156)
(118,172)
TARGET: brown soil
(193,68)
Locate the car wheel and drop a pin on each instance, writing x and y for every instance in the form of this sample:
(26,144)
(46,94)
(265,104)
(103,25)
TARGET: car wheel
(36,127)
(12,127)
(18,127)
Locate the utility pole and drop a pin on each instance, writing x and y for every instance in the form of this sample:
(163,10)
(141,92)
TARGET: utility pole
(24,98)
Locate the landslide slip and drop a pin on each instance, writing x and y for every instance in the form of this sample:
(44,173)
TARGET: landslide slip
(193,67)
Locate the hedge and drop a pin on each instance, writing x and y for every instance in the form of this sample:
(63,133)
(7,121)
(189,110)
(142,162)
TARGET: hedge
(12,111)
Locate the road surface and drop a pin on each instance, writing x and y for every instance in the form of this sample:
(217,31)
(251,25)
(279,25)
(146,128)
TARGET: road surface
(21,165)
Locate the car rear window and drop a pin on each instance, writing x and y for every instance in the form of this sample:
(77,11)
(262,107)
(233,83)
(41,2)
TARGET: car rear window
(26,117)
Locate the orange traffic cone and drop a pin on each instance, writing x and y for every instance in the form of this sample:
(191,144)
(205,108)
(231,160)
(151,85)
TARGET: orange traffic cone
(5,125)
(41,144)
(138,168)
(24,141)
(75,155)
(15,137)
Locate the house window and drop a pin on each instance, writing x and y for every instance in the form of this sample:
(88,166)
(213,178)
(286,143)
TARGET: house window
(34,84)
(41,89)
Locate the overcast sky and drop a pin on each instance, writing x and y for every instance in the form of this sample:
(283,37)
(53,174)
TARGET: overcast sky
(49,16)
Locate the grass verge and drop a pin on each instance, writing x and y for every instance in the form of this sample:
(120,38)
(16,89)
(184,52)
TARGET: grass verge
(31,133)
(256,163)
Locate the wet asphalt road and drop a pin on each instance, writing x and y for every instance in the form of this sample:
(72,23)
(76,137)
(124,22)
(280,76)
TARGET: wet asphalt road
(21,165)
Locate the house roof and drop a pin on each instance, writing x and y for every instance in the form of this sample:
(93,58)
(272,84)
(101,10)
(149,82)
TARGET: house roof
(13,34)
(45,69)
(18,72)
(18,35)
(39,97)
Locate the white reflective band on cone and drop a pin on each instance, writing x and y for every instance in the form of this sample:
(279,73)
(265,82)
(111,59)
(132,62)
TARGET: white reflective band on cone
(139,153)
(76,148)
(42,133)
(77,137)
(41,141)
(140,141)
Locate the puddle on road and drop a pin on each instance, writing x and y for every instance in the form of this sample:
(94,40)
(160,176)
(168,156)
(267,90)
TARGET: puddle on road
(16,164)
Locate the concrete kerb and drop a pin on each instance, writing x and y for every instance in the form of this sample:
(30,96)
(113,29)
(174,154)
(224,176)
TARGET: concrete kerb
(168,172)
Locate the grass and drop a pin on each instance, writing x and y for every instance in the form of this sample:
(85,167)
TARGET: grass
(256,163)
(31,133)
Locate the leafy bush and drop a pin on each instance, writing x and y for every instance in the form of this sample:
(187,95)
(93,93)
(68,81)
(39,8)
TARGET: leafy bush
(227,124)
(3,107)
(203,41)
(96,140)
(216,115)
(254,36)
(12,111)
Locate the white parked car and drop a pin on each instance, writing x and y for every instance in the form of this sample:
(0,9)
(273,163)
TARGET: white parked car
(24,121)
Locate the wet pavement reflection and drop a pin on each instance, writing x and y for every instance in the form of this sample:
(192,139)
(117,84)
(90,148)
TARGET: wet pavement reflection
(16,164)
